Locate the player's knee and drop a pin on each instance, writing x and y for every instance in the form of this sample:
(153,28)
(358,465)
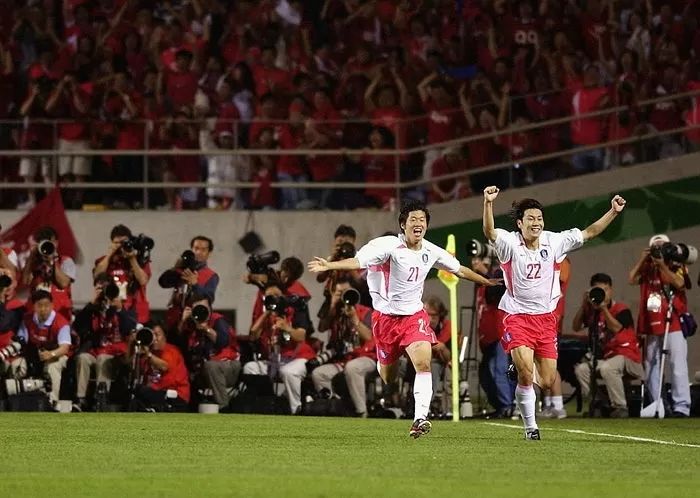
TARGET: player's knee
(525,377)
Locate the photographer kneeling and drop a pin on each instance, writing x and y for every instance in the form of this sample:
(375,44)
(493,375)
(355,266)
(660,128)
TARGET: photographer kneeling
(103,326)
(350,349)
(209,346)
(161,380)
(281,331)
(613,342)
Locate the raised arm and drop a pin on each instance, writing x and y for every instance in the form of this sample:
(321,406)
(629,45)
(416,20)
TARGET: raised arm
(616,206)
(490,194)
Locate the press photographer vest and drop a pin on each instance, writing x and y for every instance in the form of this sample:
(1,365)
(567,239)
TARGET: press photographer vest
(623,343)
(173,315)
(108,337)
(653,304)
(365,349)
(44,337)
(199,346)
(132,294)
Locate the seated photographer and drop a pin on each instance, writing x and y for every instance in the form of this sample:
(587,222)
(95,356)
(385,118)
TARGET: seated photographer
(128,264)
(282,331)
(191,274)
(11,312)
(662,276)
(291,270)
(350,348)
(103,326)
(47,270)
(209,346)
(441,364)
(161,379)
(48,340)
(612,340)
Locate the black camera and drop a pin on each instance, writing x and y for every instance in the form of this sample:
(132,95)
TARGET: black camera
(142,244)
(5,281)
(110,291)
(259,264)
(187,261)
(12,349)
(333,352)
(144,337)
(200,313)
(676,252)
(345,251)
(46,248)
(479,249)
(596,295)
(350,297)
(278,304)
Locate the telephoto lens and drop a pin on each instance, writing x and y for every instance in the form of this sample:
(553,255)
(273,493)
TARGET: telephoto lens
(596,295)
(47,248)
(351,297)
(200,313)
(144,337)
(111,291)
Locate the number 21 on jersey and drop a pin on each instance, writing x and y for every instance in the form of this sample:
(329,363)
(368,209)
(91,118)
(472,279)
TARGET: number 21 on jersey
(413,274)
(533,271)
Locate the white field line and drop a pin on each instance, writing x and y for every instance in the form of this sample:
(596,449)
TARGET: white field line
(602,434)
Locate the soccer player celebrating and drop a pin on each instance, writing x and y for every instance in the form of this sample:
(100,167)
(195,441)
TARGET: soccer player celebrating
(531,258)
(397,268)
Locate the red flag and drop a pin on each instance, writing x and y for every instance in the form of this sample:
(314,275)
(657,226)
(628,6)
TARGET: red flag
(49,212)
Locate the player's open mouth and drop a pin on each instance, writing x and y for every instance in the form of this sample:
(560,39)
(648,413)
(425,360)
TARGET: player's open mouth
(417,232)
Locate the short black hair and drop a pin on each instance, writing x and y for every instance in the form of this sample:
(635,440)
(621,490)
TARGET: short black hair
(196,296)
(294,267)
(410,206)
(345,230)
(343,278)
(518,208)
(120,231)
(601,278)
(40,294)
(205,239)
(45,233)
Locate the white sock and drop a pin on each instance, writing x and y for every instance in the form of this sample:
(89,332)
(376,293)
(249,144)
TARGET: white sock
(422,394)
(547,402)
(525,398)
(558,402)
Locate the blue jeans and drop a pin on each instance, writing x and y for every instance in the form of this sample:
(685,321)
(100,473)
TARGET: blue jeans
(493,376)
(588,161)
(290,198)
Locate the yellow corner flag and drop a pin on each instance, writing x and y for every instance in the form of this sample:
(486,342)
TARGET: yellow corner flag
(450,280)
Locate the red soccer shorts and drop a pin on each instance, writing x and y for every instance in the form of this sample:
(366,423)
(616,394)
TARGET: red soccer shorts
(393,333)
(537,332)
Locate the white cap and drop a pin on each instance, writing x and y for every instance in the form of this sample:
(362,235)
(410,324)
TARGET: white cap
(658,238)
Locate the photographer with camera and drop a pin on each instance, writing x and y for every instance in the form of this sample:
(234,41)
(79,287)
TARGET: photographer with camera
(103,326)
(209,347)
(47,270)
(161,379)
(48,340)
(128,264)
(291,270)
(350,350)
(11,312)
(190,275)
(9,261)
(612,341)
(662,276)
(282,331)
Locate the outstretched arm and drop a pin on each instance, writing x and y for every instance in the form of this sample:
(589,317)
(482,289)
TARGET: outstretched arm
(468,274)
(490,194)
(319,265)
(617,205)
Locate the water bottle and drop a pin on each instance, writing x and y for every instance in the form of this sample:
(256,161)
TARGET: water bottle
(101,397)
(465,404)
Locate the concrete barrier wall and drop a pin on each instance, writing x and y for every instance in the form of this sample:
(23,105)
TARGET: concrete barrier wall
(305,234)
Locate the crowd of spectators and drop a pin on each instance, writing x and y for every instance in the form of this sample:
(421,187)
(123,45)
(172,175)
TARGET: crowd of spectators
(324,74)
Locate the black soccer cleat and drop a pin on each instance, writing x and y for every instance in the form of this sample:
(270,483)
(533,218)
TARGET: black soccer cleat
(419,428)
(532,434)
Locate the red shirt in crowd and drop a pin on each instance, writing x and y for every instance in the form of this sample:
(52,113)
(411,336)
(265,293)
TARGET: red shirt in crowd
(444,123)
(587,131)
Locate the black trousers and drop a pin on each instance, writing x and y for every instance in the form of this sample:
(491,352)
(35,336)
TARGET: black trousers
(146,398)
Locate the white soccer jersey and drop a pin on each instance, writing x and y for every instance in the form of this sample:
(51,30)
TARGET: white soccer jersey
(532,277)
(396,273)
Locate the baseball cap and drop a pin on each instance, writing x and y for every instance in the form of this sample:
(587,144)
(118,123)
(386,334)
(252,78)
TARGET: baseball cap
(659,237)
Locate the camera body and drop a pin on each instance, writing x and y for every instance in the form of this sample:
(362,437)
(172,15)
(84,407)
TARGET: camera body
(142,244)
(345,250)
(259,264)
(278,304)
(12,349)
(676,252)
(187,261)
(479,249)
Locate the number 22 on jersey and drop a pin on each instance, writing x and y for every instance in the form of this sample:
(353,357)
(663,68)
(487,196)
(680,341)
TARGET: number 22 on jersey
(533,271)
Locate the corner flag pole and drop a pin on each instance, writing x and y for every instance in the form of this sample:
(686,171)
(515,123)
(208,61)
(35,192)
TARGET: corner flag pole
(451,281)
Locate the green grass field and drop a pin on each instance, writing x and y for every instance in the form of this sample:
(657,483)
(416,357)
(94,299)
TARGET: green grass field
(170,455)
